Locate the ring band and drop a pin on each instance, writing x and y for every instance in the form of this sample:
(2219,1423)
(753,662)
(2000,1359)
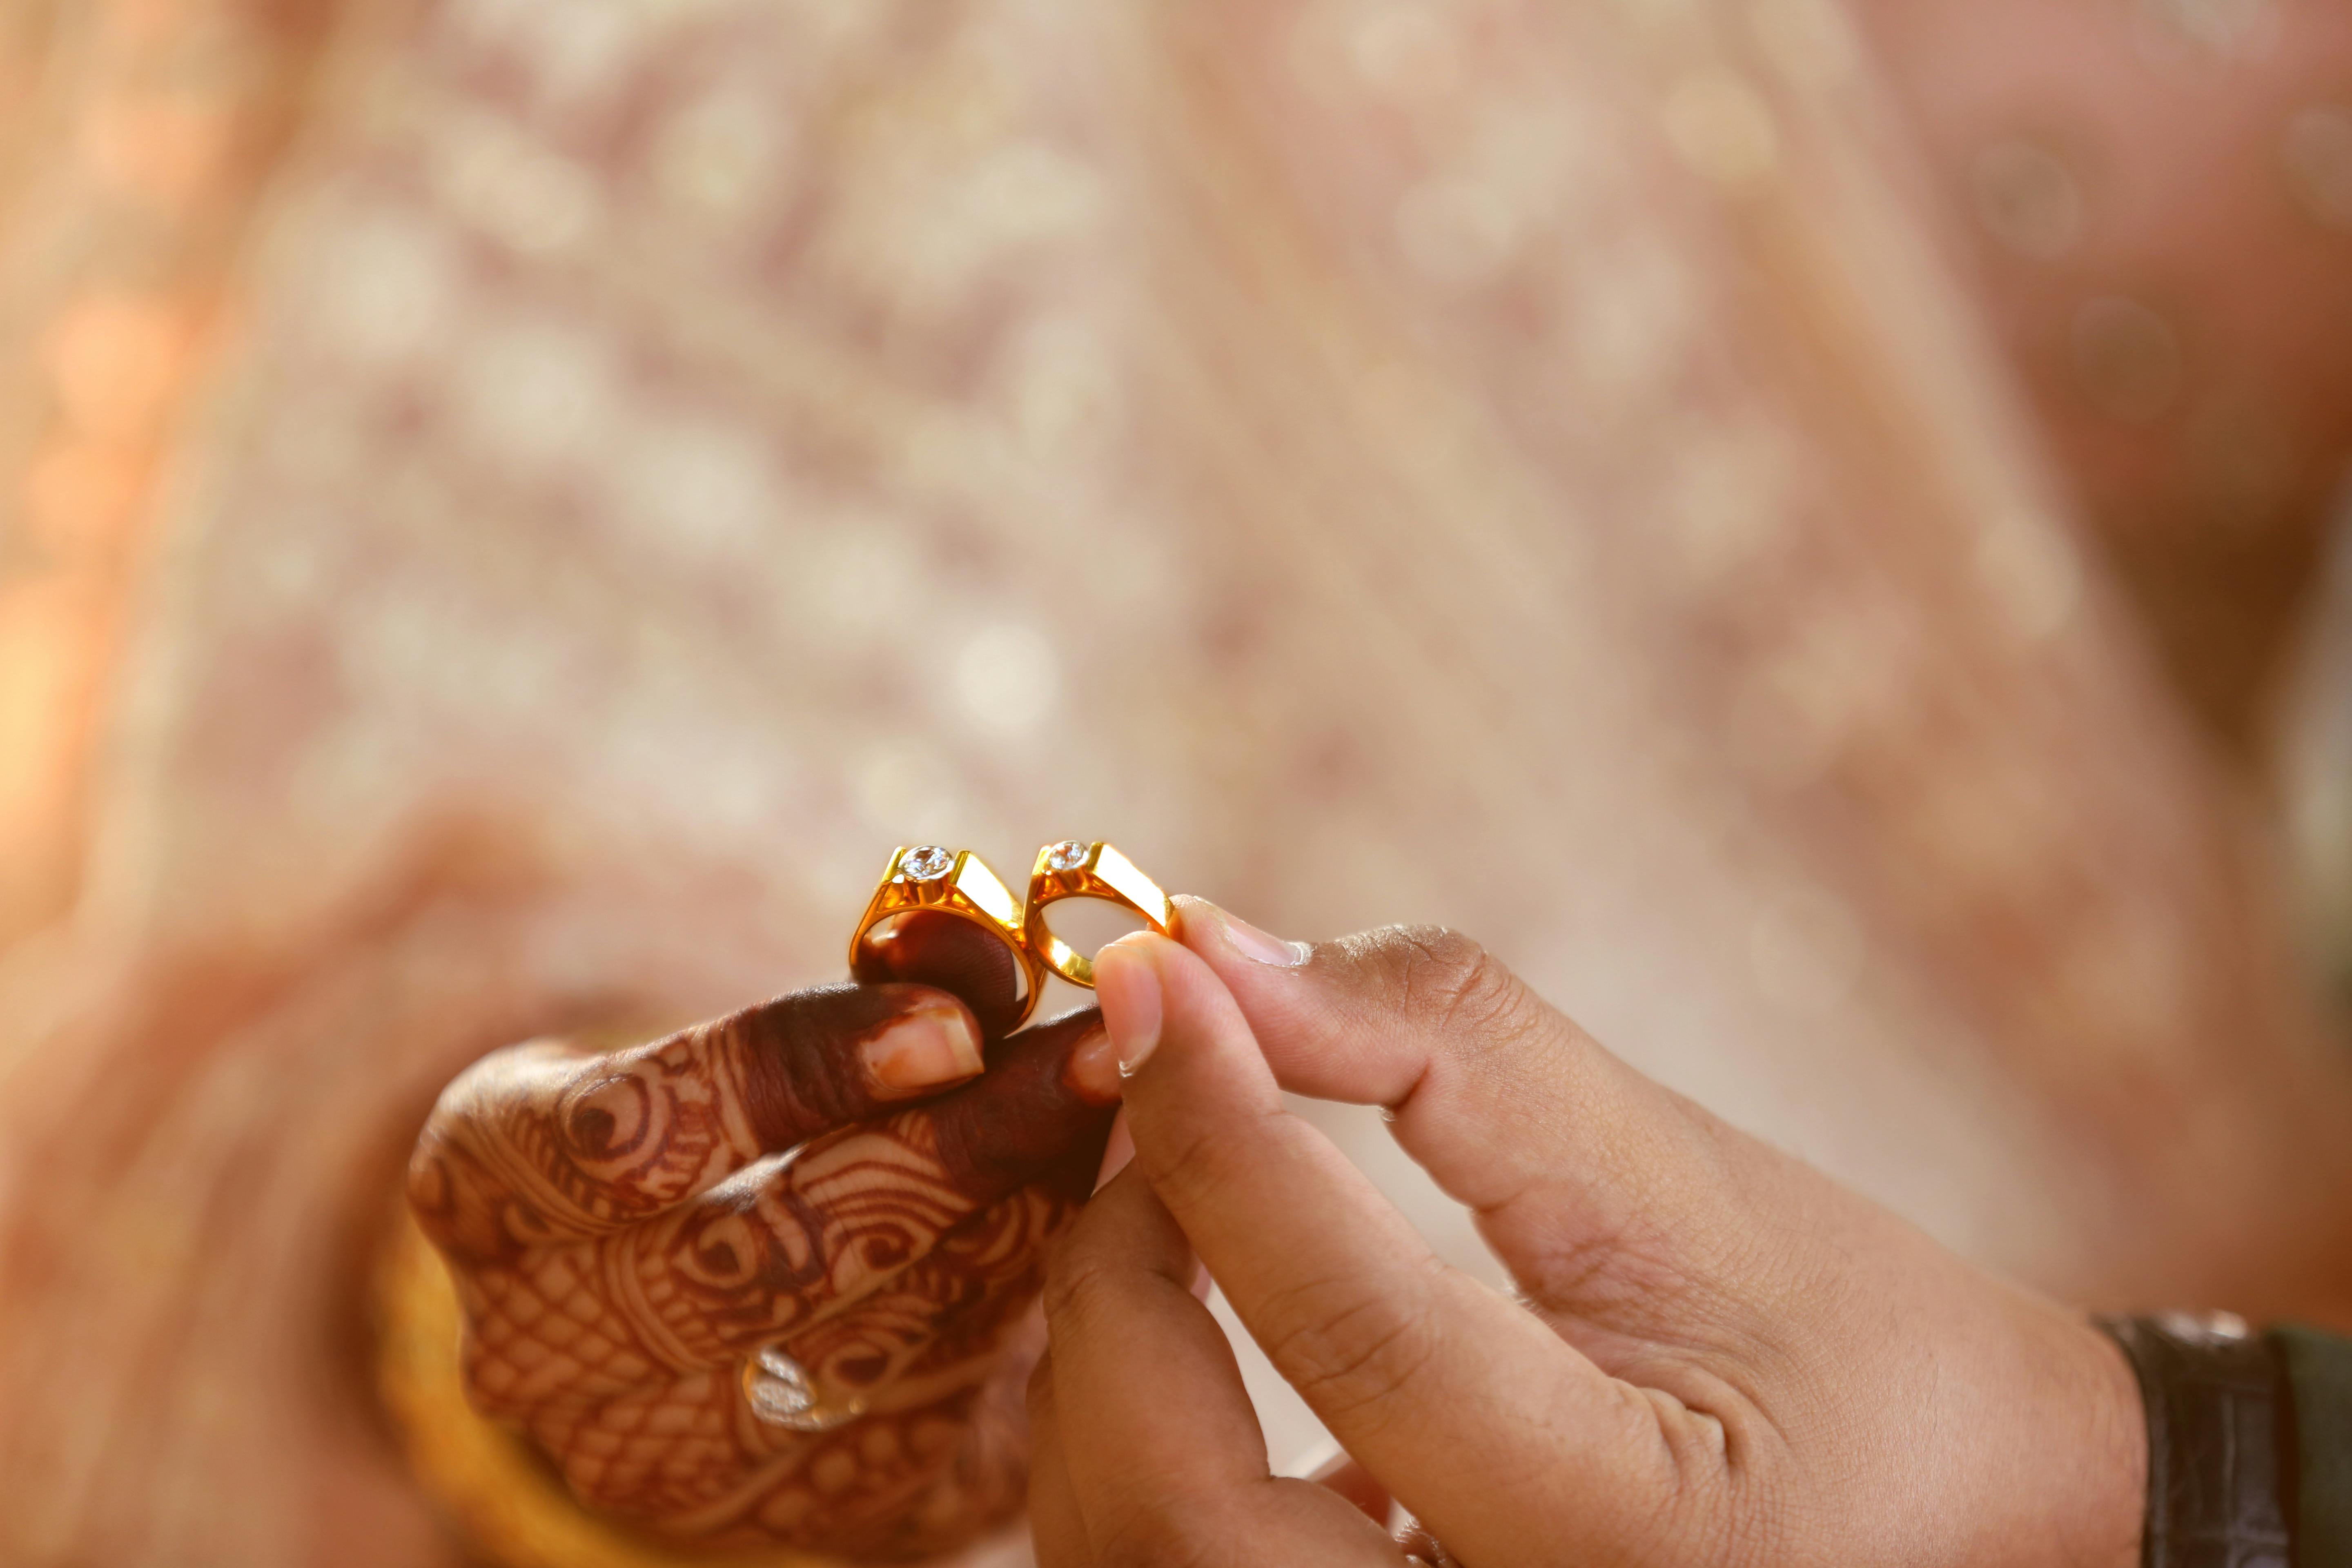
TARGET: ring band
(1073,870)
(930,879)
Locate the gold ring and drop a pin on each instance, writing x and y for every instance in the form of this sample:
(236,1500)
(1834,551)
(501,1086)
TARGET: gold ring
(1072,869)
(957,882)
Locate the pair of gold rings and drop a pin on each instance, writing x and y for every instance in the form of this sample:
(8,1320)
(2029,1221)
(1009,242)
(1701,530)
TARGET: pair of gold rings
(927,878)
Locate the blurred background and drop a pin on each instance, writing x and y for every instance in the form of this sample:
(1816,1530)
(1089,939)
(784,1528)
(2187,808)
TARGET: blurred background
(1813,531)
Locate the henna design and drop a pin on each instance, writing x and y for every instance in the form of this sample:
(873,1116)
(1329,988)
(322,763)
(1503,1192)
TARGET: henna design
(626,1229)
(685,1455)
(540,1144)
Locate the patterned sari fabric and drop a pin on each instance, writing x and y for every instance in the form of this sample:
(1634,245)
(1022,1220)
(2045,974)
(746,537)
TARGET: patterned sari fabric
(518,504)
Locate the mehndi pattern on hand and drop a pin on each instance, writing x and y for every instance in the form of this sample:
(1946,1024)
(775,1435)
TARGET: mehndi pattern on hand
(627,1229)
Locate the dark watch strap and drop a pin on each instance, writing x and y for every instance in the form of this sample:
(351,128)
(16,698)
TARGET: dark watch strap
(2220,1450)
(2317,1367)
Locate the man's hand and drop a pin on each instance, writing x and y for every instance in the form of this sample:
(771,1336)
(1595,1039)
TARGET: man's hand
(1718,1355)
(626,1229)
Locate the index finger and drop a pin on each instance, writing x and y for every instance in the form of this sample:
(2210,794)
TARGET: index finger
(1454,1396)
(540,1143)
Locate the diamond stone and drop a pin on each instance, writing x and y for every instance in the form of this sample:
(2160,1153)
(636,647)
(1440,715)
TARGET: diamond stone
(927,864)
(781,1393)
(778,1389)
(1066,856)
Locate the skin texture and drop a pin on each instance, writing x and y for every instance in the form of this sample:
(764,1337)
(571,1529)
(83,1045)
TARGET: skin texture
(1717,1354)
(626,1227)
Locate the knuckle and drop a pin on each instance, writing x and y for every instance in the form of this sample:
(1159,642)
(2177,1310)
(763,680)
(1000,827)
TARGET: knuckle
(431,1187)
(455,1204)
(1080,1286)
(537,1145)
(1450,982)
(624,1137)
(1613,1270)
(1190,1171)
(1355,1353)
(458,1182)
(468,1103)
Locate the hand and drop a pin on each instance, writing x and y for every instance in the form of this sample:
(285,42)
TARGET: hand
(1720,1356)
(626,1229)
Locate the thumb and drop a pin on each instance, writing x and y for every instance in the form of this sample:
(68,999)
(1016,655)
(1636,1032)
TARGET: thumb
(1592,1184)
(1476,1416)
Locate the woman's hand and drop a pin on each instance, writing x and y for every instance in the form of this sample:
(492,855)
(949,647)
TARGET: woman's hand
(626,1229)
(1719,1357)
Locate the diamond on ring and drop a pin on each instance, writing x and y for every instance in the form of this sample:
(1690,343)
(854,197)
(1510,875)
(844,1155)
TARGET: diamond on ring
(779,1390)
(934,879)
(927,864)
(777,1387)
(1075,869)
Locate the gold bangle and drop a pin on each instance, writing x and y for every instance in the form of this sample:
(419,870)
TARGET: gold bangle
(487,1482)
(1075,869)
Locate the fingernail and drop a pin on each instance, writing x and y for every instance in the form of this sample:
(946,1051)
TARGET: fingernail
(928,1048)
(1127,984)
(1252,942)
(1094,1069)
